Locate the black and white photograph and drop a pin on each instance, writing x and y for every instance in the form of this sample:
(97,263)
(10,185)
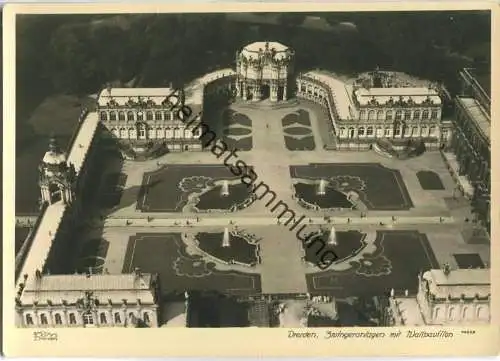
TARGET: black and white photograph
(296,170)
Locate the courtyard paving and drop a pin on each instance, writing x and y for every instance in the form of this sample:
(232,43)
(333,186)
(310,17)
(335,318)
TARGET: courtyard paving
(422,232)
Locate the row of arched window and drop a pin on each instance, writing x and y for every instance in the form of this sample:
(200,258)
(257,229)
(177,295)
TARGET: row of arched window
(423,131)
(390,115)
(311,90)
(467,313)
(155,133)
(87,317)
(475,139)
(136,115)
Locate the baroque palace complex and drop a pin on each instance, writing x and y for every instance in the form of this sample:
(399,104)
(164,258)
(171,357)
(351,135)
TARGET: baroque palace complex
(373,112)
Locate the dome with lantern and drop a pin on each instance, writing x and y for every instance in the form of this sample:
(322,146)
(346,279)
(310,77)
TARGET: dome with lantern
(54,160)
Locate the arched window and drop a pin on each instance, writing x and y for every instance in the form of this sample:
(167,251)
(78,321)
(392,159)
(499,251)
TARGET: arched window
(29,319)
(102,318)
(380,114)
(149,115)
(187,133)
(131,315)
(424,132)
(130,115)
(398,114)
(362,114)
(123,133)
(407,115)
(112,115)
(118,319)
(43,319)
(342,131)
(157,115)
(142,130)
(104,116)
(351,132)
(169,133)
(451,313)
(416,114)
(369,131)
(361,131)
(425,114)
(432,131)
(437,313)
(479,312)
(58,319)
(177,133)
(388,115)
(88,318)
(72,319)
(159,133)
(444,134)
(414,132)
(140,116)
(121,115)
(465,312)
(380,132)
(146,317)
(132,133)
(371,115)
(434,114)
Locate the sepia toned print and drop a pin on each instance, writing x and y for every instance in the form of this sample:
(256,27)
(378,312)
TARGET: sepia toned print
(312,171)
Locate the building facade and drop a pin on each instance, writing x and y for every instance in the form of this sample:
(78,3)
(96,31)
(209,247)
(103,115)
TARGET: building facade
(445,297)
(359,116)
(397,113)
(127,300)
(264,70)
(471,143)
(141,115)
(56,177)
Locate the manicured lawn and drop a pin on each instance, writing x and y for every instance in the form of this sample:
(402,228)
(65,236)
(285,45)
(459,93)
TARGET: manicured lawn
(239,249)
(167,189)
(297,131)
(331,199)
(348,244)
(165,254)
(468,260)
(396,263)
(380,188)
(429,180)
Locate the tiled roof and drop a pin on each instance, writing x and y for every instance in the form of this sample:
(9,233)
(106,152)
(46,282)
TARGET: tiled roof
(103,287)
(89,283)
(467,282)
(122,95)
(42,242)
(194,91)
(477,114)
(383,95)
(83,141)
(338,90)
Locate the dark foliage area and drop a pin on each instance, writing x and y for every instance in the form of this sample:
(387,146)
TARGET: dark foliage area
(78,54)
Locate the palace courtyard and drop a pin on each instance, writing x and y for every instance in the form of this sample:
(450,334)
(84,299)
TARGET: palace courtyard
(393,218)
